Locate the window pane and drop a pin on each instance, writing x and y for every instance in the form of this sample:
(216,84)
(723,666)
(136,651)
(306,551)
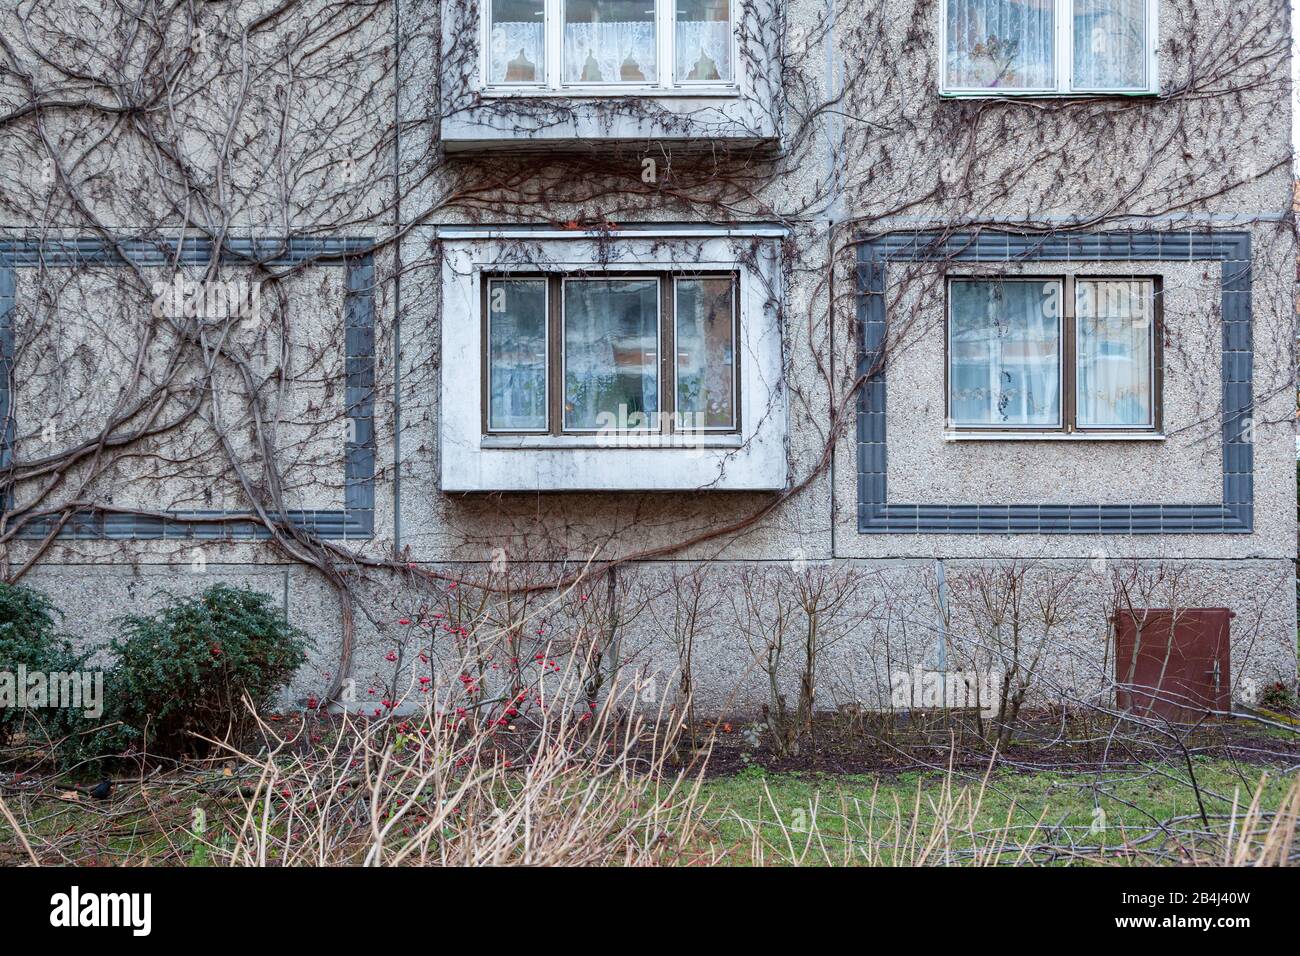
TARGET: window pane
(1000,44)
(704,40)
(609,41)
(1110,44)
(517,354)
(706,369)
(611,353)
(1116,331)
(518,43)
(1004,347)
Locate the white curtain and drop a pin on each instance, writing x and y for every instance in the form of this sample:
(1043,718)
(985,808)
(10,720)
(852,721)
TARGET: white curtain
(601,52)
(1115,333)
(518,43)
(1110,44)
(1004,353)
(611,353)
(698,43)
(1000,43)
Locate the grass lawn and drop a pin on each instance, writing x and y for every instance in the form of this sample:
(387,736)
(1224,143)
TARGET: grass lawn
(1115,816)
(849,797)
(1146,815)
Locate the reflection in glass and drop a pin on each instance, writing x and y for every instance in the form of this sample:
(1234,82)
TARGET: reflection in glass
(517,46)
(517,354)
(1110,44)
(611,353)
(706,365)
(1116,333)
(1000,44)
(1004,347)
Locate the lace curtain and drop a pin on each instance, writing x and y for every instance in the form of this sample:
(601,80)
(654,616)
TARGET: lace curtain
(618,52)
(1000,43)
(517,52)
(704,50)
(1110,42)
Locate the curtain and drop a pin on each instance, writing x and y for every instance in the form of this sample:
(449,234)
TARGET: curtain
(518,52)
(517,351)
(611,352)
(704,50)
(1000,43)
(1004,353)
(613,52)
(1115,332)
(705,353)
(1110,44)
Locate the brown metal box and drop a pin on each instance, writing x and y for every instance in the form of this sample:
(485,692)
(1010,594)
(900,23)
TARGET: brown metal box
(1173,663)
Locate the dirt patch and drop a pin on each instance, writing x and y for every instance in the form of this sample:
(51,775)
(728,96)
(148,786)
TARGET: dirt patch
(872,744)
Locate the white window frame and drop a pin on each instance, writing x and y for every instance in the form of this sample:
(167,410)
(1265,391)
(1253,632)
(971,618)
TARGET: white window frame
(1063,60)
(753,458)
(665,53)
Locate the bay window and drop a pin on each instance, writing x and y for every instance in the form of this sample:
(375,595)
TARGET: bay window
(1063,354)
(608,46)
(1008,47)
(610,353)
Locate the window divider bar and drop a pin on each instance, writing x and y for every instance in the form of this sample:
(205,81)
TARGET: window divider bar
(668,353)
(555,345)
(666,26)
(553,42)
(1063,74)
(1069,356)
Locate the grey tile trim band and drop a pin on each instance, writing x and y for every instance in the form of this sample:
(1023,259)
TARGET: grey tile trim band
(1233,515)
(357,517)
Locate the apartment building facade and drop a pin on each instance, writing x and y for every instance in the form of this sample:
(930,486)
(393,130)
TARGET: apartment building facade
(734,338)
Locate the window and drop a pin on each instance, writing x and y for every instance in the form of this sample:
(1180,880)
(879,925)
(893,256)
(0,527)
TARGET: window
(516,368)
(1004,353)
(702,43)
(1049,46)
(609,45)
(517,42)
(587,353)
(1069,354)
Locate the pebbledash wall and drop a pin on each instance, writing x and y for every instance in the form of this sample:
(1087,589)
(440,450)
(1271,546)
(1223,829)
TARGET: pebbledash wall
(839,275)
